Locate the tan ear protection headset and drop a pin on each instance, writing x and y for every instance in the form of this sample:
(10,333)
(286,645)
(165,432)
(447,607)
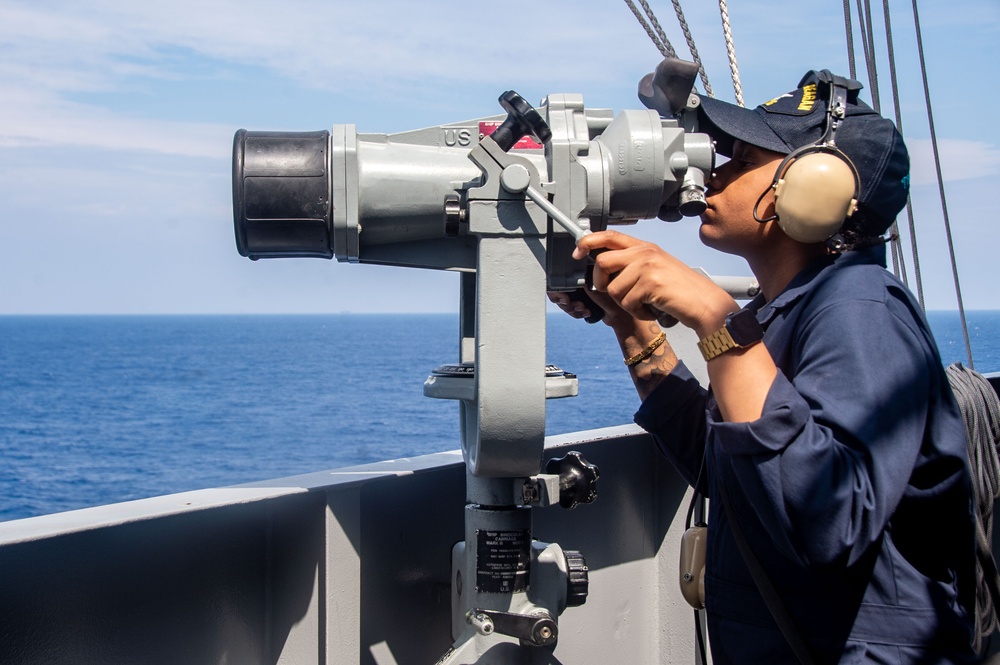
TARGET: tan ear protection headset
(816,187)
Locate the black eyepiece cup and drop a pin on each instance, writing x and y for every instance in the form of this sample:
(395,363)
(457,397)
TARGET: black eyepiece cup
(282,194)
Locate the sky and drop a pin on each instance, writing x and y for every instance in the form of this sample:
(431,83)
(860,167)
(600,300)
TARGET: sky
(117,120)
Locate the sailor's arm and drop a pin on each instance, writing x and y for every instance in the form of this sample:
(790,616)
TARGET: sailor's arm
(644,280)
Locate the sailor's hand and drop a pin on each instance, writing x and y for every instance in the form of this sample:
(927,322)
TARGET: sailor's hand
(644,280)
(572,305)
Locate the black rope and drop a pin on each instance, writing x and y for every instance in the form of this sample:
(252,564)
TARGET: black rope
(944,202)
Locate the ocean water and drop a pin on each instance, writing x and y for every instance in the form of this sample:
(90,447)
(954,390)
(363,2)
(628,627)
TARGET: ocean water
(100,409)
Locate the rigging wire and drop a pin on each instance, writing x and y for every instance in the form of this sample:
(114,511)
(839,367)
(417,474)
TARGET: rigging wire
(894,82)
(869,32)
(865,50)
(940,179)
(866,28)
(895,246)
(852,65)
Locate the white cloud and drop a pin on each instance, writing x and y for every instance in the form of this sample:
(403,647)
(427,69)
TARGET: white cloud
(321,44)
(960,160)
(30,118)
(51,53)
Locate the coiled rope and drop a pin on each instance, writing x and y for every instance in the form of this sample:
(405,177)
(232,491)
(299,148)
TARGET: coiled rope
(980,409)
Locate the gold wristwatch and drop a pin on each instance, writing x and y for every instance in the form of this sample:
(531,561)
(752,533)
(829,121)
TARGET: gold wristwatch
(742,329)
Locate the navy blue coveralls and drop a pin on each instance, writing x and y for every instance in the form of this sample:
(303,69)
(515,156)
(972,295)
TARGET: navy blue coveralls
(852,488)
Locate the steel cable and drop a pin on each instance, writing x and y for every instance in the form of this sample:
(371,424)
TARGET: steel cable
(940,179)
(894,82)
(852,66)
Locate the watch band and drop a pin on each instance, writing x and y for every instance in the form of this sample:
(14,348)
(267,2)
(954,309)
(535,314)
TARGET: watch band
(717,343)
(742,329)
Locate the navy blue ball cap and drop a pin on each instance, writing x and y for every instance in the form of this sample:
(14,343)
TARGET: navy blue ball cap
(799,118)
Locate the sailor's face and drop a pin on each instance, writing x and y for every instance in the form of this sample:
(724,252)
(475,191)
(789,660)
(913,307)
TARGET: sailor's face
(728,223)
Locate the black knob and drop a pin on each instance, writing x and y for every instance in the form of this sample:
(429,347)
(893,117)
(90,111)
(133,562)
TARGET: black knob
(522,120)
(577,579)
(577,479)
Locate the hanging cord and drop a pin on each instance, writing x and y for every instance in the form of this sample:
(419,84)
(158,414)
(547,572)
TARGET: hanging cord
(980,409)
(659,37)
(691,47)
(909,204)
(727,32)
(940,178)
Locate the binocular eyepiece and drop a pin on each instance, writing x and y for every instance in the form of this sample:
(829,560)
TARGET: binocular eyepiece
(282,195)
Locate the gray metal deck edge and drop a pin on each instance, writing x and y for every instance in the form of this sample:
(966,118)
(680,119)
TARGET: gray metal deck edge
(84,519)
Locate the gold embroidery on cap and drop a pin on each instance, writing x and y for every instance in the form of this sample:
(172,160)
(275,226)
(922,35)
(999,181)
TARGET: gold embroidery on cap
(808,97)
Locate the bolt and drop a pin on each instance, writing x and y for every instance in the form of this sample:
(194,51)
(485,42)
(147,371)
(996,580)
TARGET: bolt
(482,622)
(530,492)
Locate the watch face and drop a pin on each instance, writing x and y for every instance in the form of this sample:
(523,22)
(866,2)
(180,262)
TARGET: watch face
(744,327)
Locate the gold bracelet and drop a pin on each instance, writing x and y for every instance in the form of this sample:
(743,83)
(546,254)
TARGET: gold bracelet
(648,351)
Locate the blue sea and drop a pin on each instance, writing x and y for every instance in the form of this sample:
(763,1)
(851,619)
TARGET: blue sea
(100,409)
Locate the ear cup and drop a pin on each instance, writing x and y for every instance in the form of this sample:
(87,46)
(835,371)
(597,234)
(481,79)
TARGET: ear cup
(814,195)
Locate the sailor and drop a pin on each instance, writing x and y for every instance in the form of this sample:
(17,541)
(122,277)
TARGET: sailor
(829,424)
